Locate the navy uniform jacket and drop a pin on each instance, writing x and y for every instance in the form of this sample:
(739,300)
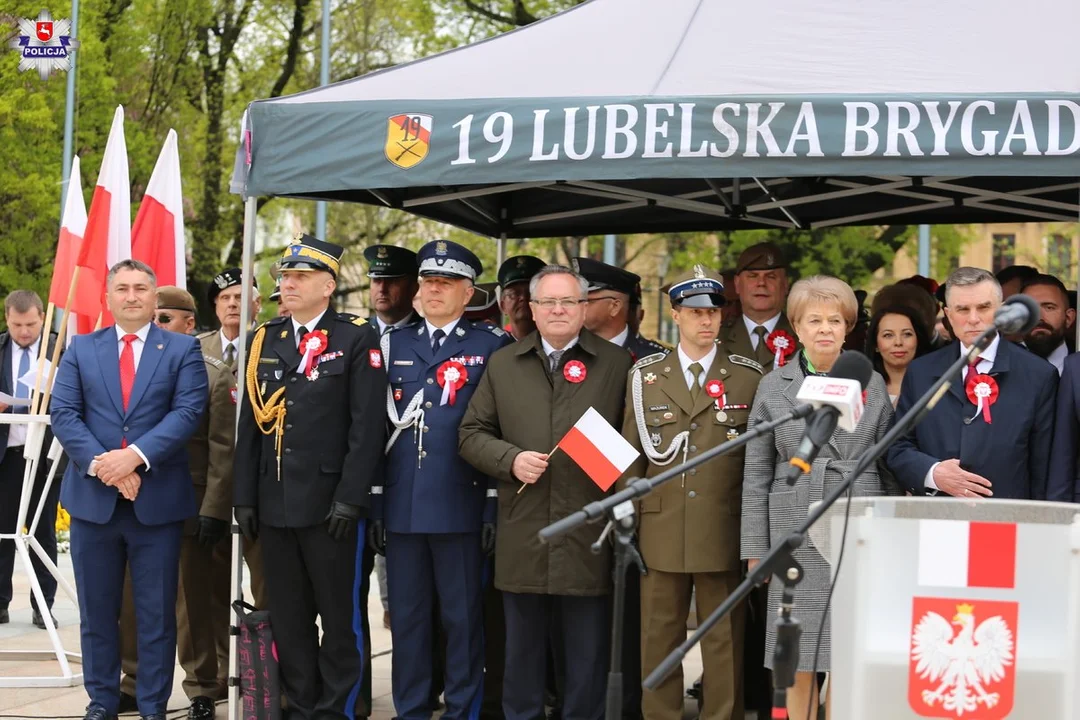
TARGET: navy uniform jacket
(431,489)
(640,347)
(1064,485)
(1013,452)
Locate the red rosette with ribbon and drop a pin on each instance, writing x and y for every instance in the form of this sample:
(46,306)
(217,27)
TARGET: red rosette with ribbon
(781,345)
(451,376)
(574,371)
(982,391)
(716,390)
(312,346)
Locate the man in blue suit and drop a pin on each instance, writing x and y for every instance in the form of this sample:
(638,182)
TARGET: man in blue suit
(955,450)
(126,401)
(435,516)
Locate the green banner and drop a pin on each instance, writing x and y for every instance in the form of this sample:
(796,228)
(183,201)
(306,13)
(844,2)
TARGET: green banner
(297,147)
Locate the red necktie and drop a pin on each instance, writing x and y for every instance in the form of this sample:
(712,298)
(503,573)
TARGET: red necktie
(127,368)
(972,372)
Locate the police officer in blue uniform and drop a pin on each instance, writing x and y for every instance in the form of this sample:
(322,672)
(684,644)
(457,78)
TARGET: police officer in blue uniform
(435,515)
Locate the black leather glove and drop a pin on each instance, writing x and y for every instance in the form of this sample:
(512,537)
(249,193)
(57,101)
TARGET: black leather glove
(341,518)
(248,520)
(377,537)
(210,531)
(487,538)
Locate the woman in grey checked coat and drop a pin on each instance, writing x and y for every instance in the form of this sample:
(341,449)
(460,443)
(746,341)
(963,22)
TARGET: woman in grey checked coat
(822,311)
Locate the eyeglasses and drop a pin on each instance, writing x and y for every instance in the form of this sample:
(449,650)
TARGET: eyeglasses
(550,303)
(604,297)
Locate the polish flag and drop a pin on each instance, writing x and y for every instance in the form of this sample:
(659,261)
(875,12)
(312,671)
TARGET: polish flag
(957,553)
(598,448)
(72,230)
(157,238)
(108,230)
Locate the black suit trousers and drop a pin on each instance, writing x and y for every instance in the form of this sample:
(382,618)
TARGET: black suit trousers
(12,468)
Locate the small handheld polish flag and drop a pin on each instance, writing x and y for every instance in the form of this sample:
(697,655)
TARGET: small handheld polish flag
(598,449)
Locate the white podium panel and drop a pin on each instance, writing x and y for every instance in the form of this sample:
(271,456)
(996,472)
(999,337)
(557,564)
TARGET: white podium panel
(954,609)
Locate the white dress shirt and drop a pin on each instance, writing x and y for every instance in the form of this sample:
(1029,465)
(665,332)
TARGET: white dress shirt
(384,325)
(17,433)
(447,328)
(1057,358)
(549,348)
(706,363)
(769,324)
(986,362)
(136,352)
(620,339)
(310,325)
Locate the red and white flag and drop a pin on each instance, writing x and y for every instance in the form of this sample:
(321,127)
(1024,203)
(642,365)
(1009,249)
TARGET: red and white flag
(108,229)
(72,230)
(598,448)
(957,553)
(157,237)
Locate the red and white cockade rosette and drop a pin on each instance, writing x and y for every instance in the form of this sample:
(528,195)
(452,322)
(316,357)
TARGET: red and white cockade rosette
(982,390)
(312,346)
(715,389)
(452,376)
(574,371)
(781,345)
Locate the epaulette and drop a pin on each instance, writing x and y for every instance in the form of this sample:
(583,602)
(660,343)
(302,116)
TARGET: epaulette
(667,347)
(496,330)
(206,334)
(351,318)
(274,321)
(746,362)
(649,360)
(219,364)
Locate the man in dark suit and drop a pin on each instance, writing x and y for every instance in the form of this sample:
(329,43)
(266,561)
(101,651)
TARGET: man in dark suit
(1064,482)
(960,448)
(308,446)
(435,519)
(126,401)
(19,349)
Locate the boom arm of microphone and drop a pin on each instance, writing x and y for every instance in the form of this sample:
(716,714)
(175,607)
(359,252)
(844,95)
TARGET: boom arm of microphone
(778,559)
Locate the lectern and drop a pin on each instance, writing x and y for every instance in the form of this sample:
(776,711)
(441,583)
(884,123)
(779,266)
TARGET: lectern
(950,608)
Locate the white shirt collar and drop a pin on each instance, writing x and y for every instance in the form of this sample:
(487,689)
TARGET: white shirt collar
(400,323)
(226,342)
(620,339)
(1057,358)
(141,332)
(549,348)
(989,355)
(448,328)
(706,362)
(769,324)
(16,347)
(310,325)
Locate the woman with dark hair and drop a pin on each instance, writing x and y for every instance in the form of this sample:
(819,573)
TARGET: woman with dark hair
(896,336)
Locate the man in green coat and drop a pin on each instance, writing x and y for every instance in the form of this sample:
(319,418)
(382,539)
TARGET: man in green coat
(531,395)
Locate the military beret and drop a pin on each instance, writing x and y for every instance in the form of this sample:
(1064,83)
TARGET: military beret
(763,256)
(227,278)
(602,276)
(519,268)
(309,253)
(170,297)
(443,258)
(390,261)
(699,287)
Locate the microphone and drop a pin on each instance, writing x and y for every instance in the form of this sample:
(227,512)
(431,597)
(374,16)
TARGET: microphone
(837,400)
(1018,315)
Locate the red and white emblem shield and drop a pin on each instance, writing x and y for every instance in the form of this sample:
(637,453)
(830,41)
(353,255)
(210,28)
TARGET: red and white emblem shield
(44,30)
(962,660)
(375,358)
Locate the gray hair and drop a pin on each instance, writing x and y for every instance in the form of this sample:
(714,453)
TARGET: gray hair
(548,270)
(22,301)
(968,276)
(130,264)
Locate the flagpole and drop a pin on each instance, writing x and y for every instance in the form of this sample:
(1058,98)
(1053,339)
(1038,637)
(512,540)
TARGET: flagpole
(525,485)
(61,336)
(324,79)
(43,353)
(69,110)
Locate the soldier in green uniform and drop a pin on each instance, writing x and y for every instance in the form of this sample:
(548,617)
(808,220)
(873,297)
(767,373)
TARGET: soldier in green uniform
(761,283)
(680,404)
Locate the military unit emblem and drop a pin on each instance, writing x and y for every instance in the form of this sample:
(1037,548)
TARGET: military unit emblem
(408,138)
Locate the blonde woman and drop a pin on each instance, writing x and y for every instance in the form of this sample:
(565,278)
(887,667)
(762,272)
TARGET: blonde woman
(823,311)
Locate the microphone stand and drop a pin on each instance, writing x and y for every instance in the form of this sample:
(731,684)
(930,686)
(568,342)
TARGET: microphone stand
(619,509)
(779,561)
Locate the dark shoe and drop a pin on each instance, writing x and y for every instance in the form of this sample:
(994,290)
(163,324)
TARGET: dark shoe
(202,708)
(128,704)
(155,716)
(39,621)
(4,617)
(96,712)
(385,618)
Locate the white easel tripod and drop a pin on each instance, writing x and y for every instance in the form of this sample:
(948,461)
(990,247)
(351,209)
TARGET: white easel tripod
(24,543)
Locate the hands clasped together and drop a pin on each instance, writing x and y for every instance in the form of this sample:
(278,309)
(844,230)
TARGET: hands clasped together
(116,468)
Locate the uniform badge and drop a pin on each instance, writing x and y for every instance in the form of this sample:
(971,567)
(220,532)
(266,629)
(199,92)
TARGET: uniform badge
(232,393)
(649,378)
(408,137)
(721,416)
(375,358)
(403,362)
(313,375)
(732,434)
(398,394)
(669,416)
(284,334)
(574,371)
(655,438)
(262,388)
(459,332)
(659,408)
(277,376)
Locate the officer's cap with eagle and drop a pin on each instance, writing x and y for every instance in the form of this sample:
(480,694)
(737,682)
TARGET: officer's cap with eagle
(699,287)
(443,258)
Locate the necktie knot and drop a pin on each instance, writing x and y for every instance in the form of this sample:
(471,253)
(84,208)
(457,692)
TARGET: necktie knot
(230,355)
(130,338)
(436,339)
(761,331)
(554,357)
(761,351)
(300,333)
